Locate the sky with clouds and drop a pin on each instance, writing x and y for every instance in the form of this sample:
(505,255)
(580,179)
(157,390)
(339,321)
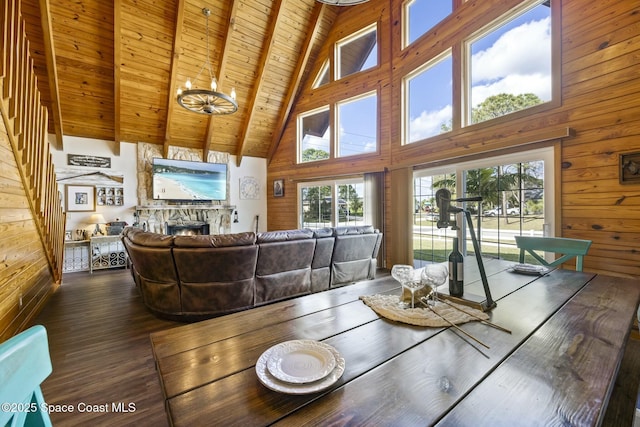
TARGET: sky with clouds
(514,59)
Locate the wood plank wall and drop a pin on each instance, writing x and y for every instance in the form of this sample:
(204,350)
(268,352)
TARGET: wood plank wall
(31,216)
(599,84)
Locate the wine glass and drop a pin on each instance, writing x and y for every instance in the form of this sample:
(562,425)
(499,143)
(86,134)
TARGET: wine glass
(413,284)
(434,275)
(402,273)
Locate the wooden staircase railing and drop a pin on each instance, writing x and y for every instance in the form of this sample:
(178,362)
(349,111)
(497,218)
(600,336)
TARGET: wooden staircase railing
(26,120)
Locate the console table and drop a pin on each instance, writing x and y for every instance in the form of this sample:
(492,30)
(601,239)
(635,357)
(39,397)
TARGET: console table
(107,252)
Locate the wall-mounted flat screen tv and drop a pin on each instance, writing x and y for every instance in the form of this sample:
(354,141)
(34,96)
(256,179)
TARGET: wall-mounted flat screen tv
(187,180)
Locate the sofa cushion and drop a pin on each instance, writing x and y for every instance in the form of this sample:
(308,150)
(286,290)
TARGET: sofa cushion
(154,270)
(284,264)
(354,254)
(283,236)
(144,238)
(216,279)
(215,241)
(354,230)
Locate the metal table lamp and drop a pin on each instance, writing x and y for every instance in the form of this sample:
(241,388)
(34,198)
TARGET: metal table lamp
(97,219)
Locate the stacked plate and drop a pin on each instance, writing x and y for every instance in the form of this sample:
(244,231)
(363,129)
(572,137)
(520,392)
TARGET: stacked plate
(300,367)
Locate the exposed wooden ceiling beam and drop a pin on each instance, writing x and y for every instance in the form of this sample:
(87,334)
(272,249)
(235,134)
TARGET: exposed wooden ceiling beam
(117,68)
(257,88)
(173,79)
(315,21)
(222,70)
(50,57)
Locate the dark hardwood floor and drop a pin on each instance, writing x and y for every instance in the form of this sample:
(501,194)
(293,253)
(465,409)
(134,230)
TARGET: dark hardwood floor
(101,353)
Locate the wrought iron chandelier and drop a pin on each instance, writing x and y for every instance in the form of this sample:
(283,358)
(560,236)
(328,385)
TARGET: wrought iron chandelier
(207,101)
(342,2)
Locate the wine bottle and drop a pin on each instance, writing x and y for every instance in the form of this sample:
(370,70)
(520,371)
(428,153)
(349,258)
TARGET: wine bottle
(456,271)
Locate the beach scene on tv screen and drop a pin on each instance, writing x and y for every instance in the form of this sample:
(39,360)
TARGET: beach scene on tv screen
(183,180)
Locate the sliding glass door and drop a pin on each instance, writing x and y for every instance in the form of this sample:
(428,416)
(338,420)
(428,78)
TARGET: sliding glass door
(515,201)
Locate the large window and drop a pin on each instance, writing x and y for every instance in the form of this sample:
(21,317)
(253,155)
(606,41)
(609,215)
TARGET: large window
(331,203)
(506,67)
(358,125)
(419,16)
(510,63)
(356,120)
(357,52)
(515,201)
(428,98)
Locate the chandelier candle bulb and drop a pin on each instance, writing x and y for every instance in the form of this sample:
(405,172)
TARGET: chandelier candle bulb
(456,271)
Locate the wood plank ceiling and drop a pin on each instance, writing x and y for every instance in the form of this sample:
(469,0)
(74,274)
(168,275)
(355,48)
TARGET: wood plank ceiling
(110,70)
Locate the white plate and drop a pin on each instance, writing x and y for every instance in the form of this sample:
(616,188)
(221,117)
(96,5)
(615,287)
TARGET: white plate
(534,270)
(275,384)
(301,361)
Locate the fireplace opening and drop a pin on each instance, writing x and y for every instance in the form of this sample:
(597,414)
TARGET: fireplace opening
(187,229)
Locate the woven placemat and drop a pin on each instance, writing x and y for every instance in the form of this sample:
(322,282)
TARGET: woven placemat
(388,306)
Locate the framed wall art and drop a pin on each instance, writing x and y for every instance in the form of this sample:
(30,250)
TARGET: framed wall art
(109,196)
(80,198)
(278,188)
(630,168)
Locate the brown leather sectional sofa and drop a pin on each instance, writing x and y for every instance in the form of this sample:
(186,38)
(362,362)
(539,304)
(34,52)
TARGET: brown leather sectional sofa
(190,278)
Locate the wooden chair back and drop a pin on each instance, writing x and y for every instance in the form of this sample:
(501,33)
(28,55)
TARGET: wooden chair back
(24,364)
(567,248)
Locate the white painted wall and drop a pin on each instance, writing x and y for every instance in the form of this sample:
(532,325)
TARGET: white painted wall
(125,163)
(248,209)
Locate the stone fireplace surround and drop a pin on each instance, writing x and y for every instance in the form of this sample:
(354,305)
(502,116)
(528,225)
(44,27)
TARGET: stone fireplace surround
(155,215)
(157,218)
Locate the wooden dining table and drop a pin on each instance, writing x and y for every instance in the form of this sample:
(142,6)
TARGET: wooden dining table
(556,366)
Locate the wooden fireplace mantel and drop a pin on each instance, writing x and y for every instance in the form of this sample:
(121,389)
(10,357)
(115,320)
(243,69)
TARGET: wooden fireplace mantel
(186,206)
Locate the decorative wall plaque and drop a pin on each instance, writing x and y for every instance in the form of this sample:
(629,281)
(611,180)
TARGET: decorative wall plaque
(249,188)
(90,161)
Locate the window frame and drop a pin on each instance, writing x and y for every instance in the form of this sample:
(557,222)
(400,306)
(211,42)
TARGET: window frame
(337,75)
(466,86)
(333,183)
(405,19)
(338,123)
(546,154)
(300,132)
(406,118)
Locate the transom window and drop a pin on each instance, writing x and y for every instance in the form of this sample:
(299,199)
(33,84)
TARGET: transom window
(323,75)
(357,52)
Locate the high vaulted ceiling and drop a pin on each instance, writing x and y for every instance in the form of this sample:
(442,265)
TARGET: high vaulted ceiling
(109,70)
